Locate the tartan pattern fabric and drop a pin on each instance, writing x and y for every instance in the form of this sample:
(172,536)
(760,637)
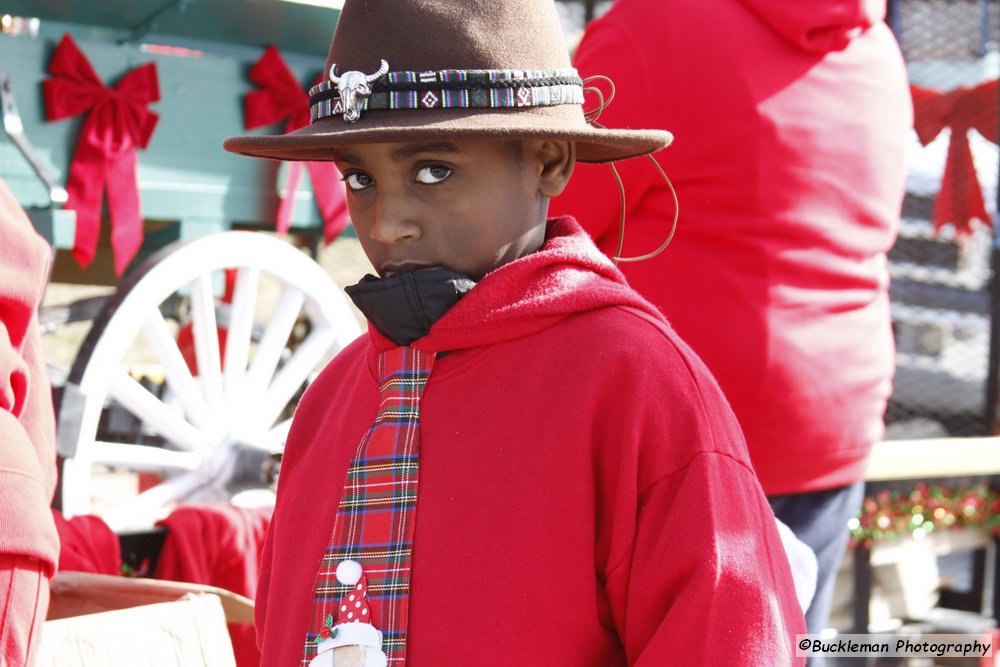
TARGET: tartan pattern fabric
(456,89)
(375,519)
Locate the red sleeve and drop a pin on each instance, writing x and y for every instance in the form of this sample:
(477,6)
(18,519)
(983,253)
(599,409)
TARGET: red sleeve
(591,196)
(27,423)
(708,582)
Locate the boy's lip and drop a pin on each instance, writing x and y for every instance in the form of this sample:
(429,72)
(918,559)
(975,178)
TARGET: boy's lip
(391,268)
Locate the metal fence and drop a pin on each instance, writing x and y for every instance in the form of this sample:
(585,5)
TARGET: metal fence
(943,286)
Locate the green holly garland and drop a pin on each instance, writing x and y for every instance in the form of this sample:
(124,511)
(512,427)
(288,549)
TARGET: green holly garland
(925,509)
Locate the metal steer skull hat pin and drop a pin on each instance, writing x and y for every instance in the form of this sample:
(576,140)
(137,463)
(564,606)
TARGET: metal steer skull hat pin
(354,88)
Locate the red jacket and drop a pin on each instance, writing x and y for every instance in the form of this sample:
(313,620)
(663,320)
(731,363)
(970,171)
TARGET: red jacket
(790,121)
(27,425)
(585,495)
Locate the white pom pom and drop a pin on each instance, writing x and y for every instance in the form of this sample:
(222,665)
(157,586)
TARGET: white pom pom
(349,572)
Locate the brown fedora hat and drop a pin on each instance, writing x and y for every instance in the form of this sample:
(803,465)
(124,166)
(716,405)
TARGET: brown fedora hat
(416,70)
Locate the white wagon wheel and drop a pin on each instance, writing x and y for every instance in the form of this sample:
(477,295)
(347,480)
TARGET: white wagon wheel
(236,408)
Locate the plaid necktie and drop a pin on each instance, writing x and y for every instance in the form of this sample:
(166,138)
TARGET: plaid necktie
(377,512)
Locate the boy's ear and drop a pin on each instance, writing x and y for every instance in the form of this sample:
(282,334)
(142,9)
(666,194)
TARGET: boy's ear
(556,160)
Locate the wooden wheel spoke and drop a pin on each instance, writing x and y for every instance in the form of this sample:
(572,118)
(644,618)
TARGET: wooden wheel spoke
(76,475)
(274,440)
(206,340)
(177,372)
(148,408)
(274,340)
(241,319)
(146,507)
(293,374)
(143,457)
(271,440)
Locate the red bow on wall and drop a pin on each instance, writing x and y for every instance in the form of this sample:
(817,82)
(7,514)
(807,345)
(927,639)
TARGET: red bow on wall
(117,121)
(281,97)
(961,196)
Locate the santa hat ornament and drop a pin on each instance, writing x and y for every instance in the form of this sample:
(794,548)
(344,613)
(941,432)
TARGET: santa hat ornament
(352,641)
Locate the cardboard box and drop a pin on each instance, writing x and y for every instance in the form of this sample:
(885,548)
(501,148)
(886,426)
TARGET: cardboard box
(117,622)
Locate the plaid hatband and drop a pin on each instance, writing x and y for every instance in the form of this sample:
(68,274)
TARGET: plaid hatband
(455,89)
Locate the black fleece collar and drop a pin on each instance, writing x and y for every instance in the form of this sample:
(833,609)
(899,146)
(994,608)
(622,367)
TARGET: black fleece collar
(404,306)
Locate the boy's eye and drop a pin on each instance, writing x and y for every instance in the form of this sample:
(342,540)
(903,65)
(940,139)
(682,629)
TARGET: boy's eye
(358,181)
(432,174)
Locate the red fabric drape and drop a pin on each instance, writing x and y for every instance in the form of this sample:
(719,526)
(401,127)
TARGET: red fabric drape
(278,98)
(961,196)
(105,157)
(87,544)
(218,545)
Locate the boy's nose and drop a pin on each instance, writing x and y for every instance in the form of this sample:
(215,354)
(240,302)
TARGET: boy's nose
(393,222)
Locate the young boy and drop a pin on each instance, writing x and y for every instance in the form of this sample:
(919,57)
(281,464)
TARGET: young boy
(520,464)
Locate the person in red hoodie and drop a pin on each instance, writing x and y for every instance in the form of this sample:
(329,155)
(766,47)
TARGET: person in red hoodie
(521,463)
(29,544)
(790,120)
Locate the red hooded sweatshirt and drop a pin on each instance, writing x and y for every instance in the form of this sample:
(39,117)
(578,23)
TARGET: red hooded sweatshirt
(585,495)
(27,424)
(790,121)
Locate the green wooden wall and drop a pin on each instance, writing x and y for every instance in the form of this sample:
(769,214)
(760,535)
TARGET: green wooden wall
(185,177)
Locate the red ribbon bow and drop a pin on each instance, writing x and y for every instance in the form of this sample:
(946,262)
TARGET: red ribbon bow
(117,121)
(960,198)
(281,97)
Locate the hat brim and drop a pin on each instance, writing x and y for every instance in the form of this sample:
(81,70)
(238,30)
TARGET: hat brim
(316,142)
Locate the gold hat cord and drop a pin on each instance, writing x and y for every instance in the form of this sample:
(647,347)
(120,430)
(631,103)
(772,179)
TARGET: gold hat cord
(592,117)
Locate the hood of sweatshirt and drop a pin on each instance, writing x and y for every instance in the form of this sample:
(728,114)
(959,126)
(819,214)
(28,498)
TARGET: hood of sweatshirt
(819,26)
(568,275)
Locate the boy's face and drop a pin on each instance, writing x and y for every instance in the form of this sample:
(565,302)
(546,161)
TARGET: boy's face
(467,205)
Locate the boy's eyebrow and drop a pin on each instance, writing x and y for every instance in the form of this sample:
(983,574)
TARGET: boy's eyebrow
(403,152)
(343,156)
(409,150)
